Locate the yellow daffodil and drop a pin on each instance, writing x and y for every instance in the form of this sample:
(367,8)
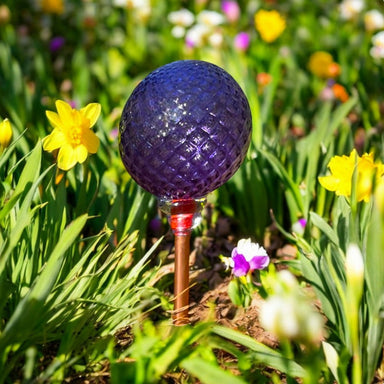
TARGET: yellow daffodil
(269,24)
(52,6)
(5,133)
(72,133)
(342,169)
(321,64)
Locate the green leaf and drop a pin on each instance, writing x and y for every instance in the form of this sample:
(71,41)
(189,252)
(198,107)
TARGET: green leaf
(234,293)
(23,320)
(325,228)
(264,354)
(29,181)
(209,373)
(332,359)
(292,190)
(29,175)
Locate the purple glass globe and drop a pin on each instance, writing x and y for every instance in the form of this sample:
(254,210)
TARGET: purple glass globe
(185,130)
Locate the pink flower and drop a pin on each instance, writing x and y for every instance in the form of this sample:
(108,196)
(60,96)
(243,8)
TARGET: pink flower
(231,10)
(241,41)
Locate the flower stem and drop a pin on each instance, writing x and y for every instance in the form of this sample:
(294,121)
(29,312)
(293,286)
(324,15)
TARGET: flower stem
(83,198)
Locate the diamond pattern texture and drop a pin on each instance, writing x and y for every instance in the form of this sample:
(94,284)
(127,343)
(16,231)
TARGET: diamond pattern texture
(185,130)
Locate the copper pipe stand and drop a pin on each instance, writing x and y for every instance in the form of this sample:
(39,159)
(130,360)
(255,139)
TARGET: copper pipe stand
(181,284)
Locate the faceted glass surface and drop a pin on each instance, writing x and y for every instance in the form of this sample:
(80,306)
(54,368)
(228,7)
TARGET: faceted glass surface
(185,130)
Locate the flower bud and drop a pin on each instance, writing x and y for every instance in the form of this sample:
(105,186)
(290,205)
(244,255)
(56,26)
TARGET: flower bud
(354,268)
(5,133)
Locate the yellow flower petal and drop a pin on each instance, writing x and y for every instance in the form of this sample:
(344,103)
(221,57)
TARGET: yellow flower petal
(342,166)
(5,133)
(91,141)
(269,24)
(53,141)
(72,133)
(92,112)
(329,182)
(343,169)
(65,111)
(368,157)
(54,119)
(66,158)
(81,153)
(319,63)
(366,173)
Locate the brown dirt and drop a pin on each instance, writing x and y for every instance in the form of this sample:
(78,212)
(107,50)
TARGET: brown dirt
(216,305)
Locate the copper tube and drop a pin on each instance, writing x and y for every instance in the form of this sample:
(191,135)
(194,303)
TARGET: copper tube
(181,281)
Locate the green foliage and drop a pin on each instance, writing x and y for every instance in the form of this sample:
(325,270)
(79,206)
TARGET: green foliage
(163,349)
(323,265)
(60,288)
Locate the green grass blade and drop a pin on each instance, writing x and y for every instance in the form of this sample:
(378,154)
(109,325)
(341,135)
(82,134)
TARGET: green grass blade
(209,373)
(23,319)
(267,356)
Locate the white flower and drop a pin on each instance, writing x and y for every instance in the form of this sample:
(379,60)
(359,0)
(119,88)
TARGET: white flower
(315,323)
(378,39)
(142,8)
(278,316)
(288,313)
(178,31)
(287,281)
(183,18)
(349,9)
(203,31)
(373,20)
(143,12)
(196,35)
(249,250)
(131,3)
(137,4)
(210,18)
(299,226)
(120,3)
(377,51)
(216,39)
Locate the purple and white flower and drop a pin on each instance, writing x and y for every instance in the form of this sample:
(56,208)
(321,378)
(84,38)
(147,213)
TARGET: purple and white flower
(247,257)
(299,226)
